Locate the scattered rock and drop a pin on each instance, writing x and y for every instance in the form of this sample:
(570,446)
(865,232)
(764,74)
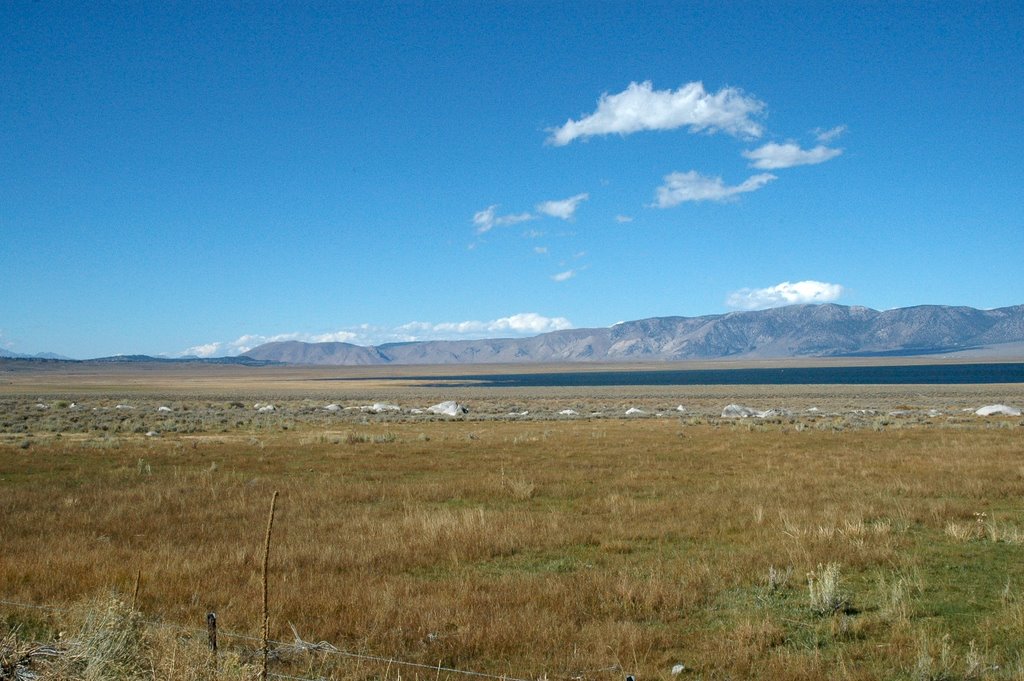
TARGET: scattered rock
(448,408)
(568,412)
(738,411)
(332,408)
(998,410)
(633,411)
(379,407)
(265,409)
(775,412)
(164,410)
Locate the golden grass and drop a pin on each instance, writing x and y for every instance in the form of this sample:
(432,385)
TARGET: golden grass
(545,548)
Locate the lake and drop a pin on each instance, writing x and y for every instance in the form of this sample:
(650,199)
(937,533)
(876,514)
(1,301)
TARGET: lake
(932,374)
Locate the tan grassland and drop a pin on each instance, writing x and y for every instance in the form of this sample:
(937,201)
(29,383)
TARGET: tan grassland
(871,532)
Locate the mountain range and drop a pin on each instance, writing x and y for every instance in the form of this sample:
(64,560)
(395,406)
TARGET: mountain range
(7,354)
(826,330)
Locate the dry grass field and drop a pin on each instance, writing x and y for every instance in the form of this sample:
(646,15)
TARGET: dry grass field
(862,533)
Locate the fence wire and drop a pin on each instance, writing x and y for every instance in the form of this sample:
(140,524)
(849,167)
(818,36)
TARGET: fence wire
(327,648)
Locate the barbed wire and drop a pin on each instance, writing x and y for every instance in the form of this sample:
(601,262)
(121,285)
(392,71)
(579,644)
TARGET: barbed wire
(326,648)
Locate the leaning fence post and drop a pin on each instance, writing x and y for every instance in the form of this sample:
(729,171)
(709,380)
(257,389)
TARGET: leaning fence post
(266,561)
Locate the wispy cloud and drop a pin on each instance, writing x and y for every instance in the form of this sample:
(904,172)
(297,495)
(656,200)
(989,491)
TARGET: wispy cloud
(563,209)
(623,219)
(524,323)
(488,218)
(826,136)
(641,107)
(772,156)
(564,276)
(785,293)
(692,186)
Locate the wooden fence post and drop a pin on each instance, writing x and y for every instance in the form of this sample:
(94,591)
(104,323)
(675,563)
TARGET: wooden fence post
(211,631)
(266,561)
(135,592)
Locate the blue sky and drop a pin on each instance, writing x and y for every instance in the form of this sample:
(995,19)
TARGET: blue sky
(201,177)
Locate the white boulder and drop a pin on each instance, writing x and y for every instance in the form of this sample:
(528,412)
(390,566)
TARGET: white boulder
(738,411)
(998,410)
(448,408)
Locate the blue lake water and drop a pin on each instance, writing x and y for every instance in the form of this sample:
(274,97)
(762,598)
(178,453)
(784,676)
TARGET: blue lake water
(935,374)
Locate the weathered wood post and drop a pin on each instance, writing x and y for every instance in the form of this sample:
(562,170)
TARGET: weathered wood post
(135,592)
(266,562)
(211,631)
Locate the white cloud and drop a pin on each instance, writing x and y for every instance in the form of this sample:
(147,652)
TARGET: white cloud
(785,293)
(641,107)
(563,276)
(622,219)
(540,250)
(335,337)
(825,136)
(772,155)
(693,186)
(487,219)
(563,209)
(522,323)
(205,350)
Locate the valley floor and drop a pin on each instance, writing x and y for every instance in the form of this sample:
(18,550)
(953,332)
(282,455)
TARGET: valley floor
(857,533)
